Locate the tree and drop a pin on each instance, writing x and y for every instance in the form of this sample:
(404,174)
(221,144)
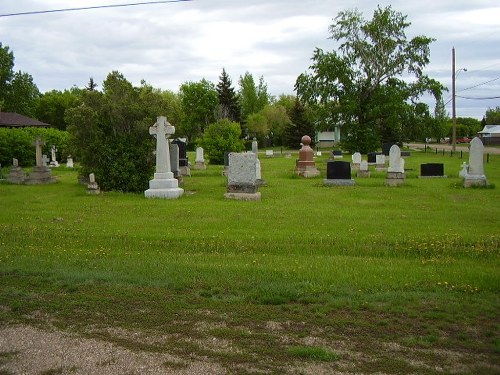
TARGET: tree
(371,86)
(109,133)
(6,72)
(222,136)
(22,95)
(492,116)
(229,106)
(91,86)
(300,125)
(52,105)
(199,103)
(253,97)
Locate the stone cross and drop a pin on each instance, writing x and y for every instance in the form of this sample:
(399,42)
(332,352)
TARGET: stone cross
(162,130)
(38,147)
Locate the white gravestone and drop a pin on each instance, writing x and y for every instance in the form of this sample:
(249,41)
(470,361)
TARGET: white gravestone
(200,159)
(255,146)
(396,169)
(363,169)
(464,170)
(475,174)
(69,162)
(163,185)
(380,162)
(53,160)
(92,187)
(356,161)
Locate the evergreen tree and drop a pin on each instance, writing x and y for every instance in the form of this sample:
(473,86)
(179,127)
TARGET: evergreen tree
(299,126)
(229,106)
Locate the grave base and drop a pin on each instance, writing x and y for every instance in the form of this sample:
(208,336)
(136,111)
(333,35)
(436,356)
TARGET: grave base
(339,182)
(16,175)
(185,170)
(40,175)
(475,180)
(432,176)
(243,196)
(199,165)
(165,188)
(380,168)
(93,188)
(307,171)
(363,174)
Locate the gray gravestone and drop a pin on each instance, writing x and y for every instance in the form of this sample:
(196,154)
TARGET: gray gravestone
(395,171)
(475,174)
(242,177)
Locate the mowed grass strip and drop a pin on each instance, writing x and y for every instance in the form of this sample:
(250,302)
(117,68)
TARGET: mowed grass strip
(420,261)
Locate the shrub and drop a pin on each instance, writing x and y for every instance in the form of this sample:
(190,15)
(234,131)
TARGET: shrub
(222,136)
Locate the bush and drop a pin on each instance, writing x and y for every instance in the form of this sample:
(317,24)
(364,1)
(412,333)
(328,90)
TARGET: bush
(222,136)
(18,143)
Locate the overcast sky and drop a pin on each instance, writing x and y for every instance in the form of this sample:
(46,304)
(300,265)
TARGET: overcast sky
(168,44)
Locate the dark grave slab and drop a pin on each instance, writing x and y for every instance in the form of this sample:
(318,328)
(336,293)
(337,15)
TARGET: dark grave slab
(432,170)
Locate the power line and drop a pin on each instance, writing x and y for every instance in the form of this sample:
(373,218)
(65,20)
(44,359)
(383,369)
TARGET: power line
(93,7)
(484,98)
(479,84)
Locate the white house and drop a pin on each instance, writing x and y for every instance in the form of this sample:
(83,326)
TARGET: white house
(490,135)
(328,138)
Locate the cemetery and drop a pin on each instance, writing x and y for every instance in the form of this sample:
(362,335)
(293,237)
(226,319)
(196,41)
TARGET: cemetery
(403,276)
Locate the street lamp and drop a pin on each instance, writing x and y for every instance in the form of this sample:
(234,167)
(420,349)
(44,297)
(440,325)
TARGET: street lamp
(453,99)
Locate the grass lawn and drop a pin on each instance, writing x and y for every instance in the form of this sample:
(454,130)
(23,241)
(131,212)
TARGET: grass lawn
(362,279)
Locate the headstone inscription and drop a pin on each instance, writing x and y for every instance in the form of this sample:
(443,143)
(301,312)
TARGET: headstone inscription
(306,166)
(338,173)
(242,177)
(163,185)
(475,174)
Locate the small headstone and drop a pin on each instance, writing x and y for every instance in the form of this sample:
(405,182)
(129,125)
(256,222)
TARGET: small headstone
(356,160)
(318,153)
(45,160)
(337,154)
(200,159)
(475,175)
(338,173)
(255,146)
(288,155)
(269,153)
(395,172)
(16,174)
(432,170)
(465,169)
(306,166)
(363,169)
(69,162)
(163,185)
(380,162)
(242,177)
(92,187)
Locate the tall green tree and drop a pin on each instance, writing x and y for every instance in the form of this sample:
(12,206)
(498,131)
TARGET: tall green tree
(253,98)
(199,104)
(51,107)
(22,95)
(6,72)
(109,133)
(219,137)
(371,85)
(229,106)
(300,124)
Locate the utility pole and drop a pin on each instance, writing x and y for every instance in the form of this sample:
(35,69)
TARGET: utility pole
(453,103)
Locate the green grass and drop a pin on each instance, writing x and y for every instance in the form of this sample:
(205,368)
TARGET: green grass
(313,353)
(415,265)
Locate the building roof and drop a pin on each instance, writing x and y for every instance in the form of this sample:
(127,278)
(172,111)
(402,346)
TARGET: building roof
(15,120)
(490,129)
